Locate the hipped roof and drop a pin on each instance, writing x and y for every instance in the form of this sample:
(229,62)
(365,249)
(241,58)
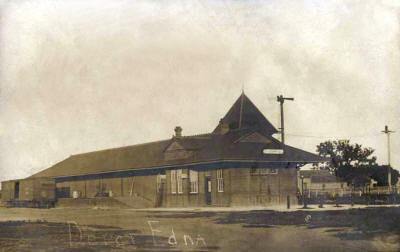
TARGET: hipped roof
(200,148)
(244,114)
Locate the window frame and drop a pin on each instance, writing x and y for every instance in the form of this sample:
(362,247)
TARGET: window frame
(173,182)
(220,180)
(179,179)
(194,181)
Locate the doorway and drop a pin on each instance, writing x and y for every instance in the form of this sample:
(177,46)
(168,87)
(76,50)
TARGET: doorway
(160,189)
(16,190)
(207,190)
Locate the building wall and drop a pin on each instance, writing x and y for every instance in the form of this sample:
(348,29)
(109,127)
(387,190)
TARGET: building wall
(187,198)
(257,189)
(328,186)
(29,190)
(139,186)
(7,190)
(26,190)
(320,186)
(241,188)
(135,186)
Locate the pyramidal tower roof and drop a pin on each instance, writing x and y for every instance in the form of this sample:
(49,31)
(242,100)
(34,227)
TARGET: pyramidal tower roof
(244,114)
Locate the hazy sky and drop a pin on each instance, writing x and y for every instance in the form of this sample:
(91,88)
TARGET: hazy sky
(78,76)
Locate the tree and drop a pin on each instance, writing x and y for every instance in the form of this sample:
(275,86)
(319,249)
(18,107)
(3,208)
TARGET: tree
(342,153)
(352,162)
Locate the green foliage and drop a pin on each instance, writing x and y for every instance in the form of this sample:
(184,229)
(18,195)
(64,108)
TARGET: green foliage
(354,163)
(361,175)
(342,153)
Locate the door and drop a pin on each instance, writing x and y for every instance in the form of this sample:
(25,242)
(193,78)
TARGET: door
(207,190)
(16,190)
(63,192)
(160,190)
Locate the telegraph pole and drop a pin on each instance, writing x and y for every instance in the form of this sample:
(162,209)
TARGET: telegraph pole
(388,132)
(281,100)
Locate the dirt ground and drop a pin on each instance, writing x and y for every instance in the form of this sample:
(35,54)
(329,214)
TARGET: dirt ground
(366,229)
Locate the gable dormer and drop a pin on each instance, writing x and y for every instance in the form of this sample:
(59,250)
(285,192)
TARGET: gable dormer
(176,151)
(254,137)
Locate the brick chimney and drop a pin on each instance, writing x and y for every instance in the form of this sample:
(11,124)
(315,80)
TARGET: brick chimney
(178,131)
(224,128)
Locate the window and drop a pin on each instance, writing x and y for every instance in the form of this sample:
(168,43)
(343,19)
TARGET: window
(179,179)
(194,181)
(253,170)
(176,181)
(173,181)
(264,171)
(220,181)
(160,182)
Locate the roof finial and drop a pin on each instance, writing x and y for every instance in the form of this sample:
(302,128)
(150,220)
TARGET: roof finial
(241,109)
(243,88)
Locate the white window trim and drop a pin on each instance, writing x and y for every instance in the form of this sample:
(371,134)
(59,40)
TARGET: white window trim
(179,181)
(173,181)
(194,181)
(220,181)
(194,188)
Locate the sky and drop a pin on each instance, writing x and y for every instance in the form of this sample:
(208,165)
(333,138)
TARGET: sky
(79,76)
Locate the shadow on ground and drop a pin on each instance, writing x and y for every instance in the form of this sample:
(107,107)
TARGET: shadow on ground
(183,215)
(364,223)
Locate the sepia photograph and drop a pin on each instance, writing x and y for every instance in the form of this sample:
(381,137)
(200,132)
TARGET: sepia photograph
(215,125)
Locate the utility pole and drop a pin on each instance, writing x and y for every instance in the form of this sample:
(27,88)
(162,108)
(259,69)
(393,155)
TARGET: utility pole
(388,132)
(281,100)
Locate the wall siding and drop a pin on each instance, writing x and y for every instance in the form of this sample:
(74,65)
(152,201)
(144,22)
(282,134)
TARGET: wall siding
(241,188)
(7,191)
(143,186)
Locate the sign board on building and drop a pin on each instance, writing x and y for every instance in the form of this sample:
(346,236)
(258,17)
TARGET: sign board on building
(273,151)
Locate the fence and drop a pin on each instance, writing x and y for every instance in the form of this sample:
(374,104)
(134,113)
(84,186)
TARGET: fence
(364,195)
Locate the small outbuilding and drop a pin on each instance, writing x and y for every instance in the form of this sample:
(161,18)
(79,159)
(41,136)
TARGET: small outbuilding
(318,182)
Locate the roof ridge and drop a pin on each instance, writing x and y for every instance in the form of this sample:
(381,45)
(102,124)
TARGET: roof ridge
(122,147)
(140,144)
(197,135)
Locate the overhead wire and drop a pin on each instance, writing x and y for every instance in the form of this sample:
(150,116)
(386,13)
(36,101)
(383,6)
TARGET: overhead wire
(334,136)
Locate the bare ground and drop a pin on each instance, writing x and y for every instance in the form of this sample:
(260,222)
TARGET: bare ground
(367,229)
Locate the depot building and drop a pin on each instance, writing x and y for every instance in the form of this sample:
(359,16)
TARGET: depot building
(239,163)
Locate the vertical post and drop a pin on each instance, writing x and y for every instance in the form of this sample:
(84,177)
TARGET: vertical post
(281,100)
(389,165)
(387,132)
(302,192)
(282,123)
(351,195)
(302,187)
